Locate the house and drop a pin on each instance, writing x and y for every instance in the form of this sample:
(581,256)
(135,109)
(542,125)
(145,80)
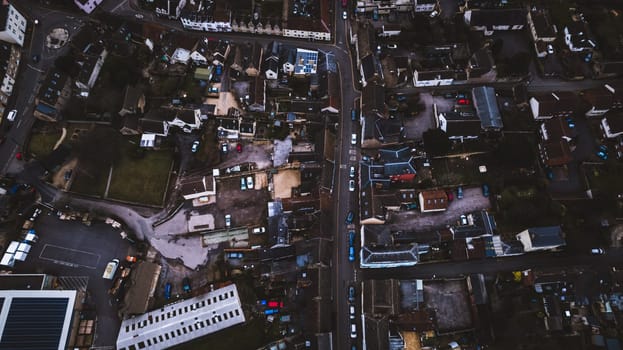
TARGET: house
(169,8)
(490,20)
(373,101)
(315,27)
(256,101)
(53,94)
(486,104)
(87,5)
(252,59)
(305,62)
(332,94)
(371,70)
(133,101)
(382,257)
(556,129)
(603,99)
(433,200)
(9,62)
(271,67)
(555,152)
(433,77)
(425,5)
(577,37)
(94,56)
(556,104)
(12,24)
(612,124)
(221,53)
(186,119)
(130,125)
(459,127)
(195,187)
(541,238)
(541,26)
(212,16)
(481,65)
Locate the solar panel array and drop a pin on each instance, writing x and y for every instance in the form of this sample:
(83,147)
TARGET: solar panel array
(34,323)
(306,61)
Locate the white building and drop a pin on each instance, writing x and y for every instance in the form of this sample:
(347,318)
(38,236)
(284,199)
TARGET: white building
(13,25)
(183,321)
(87,5)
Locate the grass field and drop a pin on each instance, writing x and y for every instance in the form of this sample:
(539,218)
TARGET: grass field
(141,180)
(42,144)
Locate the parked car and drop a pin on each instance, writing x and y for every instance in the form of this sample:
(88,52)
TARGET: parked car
(550,49)
(434,14)
(375,14)
(224,148)
(239,147)
(186,285)
(18,156)
(463,101)
(36,58)
(228,220)
(464,220)
(485,190)
(250,182)
(259,230)
(570,122)
(12,114)
(449,95)
(392,47)
(130,258)
(195,146)
(351,172)
(344,15)
(243,184)
(459,192)
(450,196)
(351,294)
(353,331)
(353,114)
(167,291)
(351,237)
(351,312)
(235,255)
(353,139)
(351,253)
(349,217)
(351,185)
(138,15)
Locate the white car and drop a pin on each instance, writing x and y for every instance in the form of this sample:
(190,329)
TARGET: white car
(351,185)
(12,114)
(351,312)
(228,220)
(351,173)
(344,15)
(138,15)
(353,139)
(250,182)
(243,184)
(353,331)
(550,49)
(259,230)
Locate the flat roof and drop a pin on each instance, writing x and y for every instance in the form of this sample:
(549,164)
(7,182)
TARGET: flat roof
(183,321)
(21,282)
(35,319)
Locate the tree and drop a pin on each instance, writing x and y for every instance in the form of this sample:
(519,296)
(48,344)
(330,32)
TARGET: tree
(519,64)
(98,149)
(512,151)
(436,142)
(67,64)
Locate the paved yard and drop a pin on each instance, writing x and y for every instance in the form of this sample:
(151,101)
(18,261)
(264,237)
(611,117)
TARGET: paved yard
(473,200)
(415,127)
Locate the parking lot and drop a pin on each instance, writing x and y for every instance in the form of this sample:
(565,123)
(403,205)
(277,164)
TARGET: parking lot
(80,254)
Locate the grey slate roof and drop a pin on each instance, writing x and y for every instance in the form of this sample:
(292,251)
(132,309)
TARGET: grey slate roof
(487,109)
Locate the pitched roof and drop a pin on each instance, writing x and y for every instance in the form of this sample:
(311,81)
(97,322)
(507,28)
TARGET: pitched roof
(487,109)
(434,200)
(600,98)
(555,103)
(373,99)
(556,152)
(615,121)
(497,17)
(546,236)
(542,23)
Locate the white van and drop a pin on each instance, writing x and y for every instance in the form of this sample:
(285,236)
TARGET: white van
(12,114)
(110,270)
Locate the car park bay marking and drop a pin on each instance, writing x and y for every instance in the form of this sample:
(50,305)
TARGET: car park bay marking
(69,257)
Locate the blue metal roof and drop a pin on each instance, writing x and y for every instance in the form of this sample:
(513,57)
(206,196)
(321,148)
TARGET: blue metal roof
(487,109)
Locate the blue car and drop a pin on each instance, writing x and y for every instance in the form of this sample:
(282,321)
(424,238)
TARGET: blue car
(602,152)
(351,237)
(351,253)
(570,122)
(353,114)
(167,291)
(459,192)
(351,294)
(485,190)
(349,217)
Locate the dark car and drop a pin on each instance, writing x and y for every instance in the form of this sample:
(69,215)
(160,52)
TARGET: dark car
(351,237)
(485,190)
(186,285)
(459,192)
(167,291)
(351,253)
(349,217)
(351,294)
(353,114)
(36,58)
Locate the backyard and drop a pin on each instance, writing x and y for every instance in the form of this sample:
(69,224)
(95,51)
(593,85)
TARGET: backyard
(42,144)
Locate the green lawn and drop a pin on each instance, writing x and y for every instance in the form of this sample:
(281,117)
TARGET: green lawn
(140,179)
(42,144)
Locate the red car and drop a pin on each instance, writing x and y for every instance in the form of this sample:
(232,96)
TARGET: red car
(239,148)
(18,155)
(450,196)
(464,101)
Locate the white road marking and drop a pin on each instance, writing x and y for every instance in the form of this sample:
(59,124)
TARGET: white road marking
(69,263)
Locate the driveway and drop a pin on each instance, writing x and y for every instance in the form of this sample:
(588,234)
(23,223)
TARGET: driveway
(80,253)
(473,200)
